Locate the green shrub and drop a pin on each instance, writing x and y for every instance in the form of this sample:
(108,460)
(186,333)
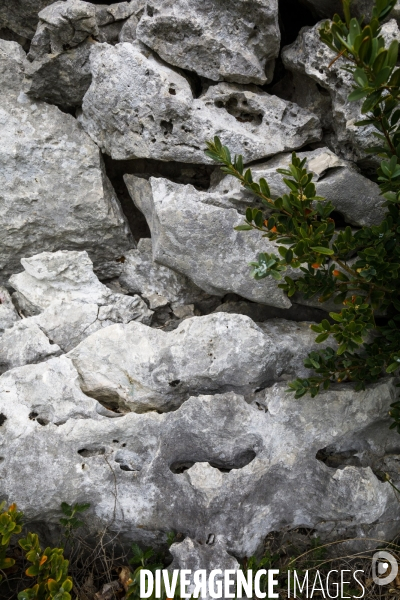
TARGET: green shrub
(358,269)
(49,568)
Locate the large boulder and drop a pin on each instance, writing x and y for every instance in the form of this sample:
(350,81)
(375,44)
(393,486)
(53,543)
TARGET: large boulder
(138,107)
(309,57)
(134,367)
(202,243)
(217,469)
(235,40)
(54,192)
(357,198)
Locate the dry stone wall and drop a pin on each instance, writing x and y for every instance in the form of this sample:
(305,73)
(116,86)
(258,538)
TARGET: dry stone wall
(130,327)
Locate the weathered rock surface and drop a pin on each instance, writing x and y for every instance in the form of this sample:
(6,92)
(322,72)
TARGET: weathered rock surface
(232,41)
(231,472)
(309,56)
(202,243)
(68,299)
(62,78)
(21,16)
(59,276)
(337,180)
(59,69)
(158,284)
(53,189)
(138,368)
(137,107)
(8,313)
(23,344)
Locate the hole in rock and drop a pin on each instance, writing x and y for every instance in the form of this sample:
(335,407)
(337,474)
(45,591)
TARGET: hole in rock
(3,419)
(238,109)
(210,539)
(126,467)
(33,415)
(1,458)
(172,91)
(338,459)
(174,383)
(224,465)
(91,451)
(167,127)
(42,422)
(150,10)
(115,442)
(181,466)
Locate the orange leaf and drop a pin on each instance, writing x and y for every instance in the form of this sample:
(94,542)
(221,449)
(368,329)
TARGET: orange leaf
(43,560)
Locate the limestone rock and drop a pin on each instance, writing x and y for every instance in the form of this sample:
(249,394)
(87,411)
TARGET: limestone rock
(309,56)
(59,276)
(59,69)
(62,78)
(53,189)
(232,41)
(158,284)
(138,368)
(21,16)
(68,299)
(266,473)
(202,243)
(8,313)
(23,344)
(63,24)
(137,107)
(337,180)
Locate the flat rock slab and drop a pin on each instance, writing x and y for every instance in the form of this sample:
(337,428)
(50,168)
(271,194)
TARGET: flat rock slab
(138,107)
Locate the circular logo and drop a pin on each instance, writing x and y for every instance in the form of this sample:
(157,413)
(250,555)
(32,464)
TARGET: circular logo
(384,568)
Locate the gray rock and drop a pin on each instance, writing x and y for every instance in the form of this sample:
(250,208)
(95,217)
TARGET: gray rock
(68,299)
(193,556)
(63,24)
(59,70)
(62,78)
(21,16)
(59,276)
(231,472)
(138,368)
(202,243)
(158,284)
(53,189)
(137,107)
(337,180)
(69,323)
(232,41)
(309,56)
(8,313)
(23,344)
